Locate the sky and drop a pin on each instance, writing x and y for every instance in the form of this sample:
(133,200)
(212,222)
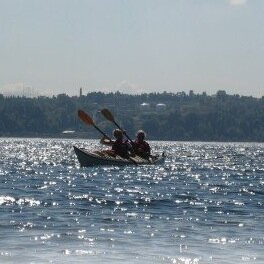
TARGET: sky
(50,47)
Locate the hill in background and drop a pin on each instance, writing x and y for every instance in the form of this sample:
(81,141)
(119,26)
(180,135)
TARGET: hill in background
(164,116)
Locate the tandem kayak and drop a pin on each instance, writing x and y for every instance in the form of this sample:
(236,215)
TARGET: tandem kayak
(97,158)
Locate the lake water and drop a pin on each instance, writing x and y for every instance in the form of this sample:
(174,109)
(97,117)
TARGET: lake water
(204,205)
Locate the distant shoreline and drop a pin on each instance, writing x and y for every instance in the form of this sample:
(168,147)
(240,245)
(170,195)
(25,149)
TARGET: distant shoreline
(165,116)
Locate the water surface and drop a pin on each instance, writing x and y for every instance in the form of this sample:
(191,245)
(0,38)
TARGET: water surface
(204,205)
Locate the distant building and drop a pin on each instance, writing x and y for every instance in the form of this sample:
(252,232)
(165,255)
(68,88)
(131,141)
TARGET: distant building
(68,132)
(161,107)
(81,92)
(145,106)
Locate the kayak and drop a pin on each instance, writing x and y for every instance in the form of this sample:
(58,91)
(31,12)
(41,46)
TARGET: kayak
(99,158)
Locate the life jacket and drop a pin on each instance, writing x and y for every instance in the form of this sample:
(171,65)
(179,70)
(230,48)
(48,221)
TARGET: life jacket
(121,148)
(143,146)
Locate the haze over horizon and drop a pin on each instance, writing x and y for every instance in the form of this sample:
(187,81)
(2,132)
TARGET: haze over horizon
(134,46)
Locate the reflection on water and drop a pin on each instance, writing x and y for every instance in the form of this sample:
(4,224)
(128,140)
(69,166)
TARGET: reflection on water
(204,205)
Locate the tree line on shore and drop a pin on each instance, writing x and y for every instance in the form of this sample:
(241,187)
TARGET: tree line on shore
(164,116)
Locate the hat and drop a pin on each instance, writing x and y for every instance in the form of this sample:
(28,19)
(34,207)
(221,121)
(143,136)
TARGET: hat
(118,133)
(141,132)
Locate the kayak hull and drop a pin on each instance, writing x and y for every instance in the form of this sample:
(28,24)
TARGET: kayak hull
(97,158)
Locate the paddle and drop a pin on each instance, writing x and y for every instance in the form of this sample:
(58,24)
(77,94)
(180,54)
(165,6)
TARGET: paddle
(89,121)
(108,115)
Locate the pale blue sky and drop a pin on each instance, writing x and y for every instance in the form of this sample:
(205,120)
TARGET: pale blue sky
(58,46)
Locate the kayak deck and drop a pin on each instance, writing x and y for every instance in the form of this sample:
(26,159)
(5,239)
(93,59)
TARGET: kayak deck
(102,158)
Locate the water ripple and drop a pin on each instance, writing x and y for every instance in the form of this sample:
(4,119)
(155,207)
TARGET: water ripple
(204,205)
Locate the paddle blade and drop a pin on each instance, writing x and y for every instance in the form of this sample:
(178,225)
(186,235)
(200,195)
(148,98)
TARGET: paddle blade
(85,117)
(107,114)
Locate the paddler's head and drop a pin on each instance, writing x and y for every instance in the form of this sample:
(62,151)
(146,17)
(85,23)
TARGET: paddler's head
(141,135)
(118,134)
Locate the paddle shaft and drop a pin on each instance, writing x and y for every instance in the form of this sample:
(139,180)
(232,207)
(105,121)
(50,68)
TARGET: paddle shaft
(88,120)
(123,130)
(129,140)
(131,159)
(96,127)
(109,116)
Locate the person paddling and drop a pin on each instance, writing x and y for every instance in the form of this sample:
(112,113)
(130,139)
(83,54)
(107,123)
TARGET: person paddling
(140,146)
(119,146)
